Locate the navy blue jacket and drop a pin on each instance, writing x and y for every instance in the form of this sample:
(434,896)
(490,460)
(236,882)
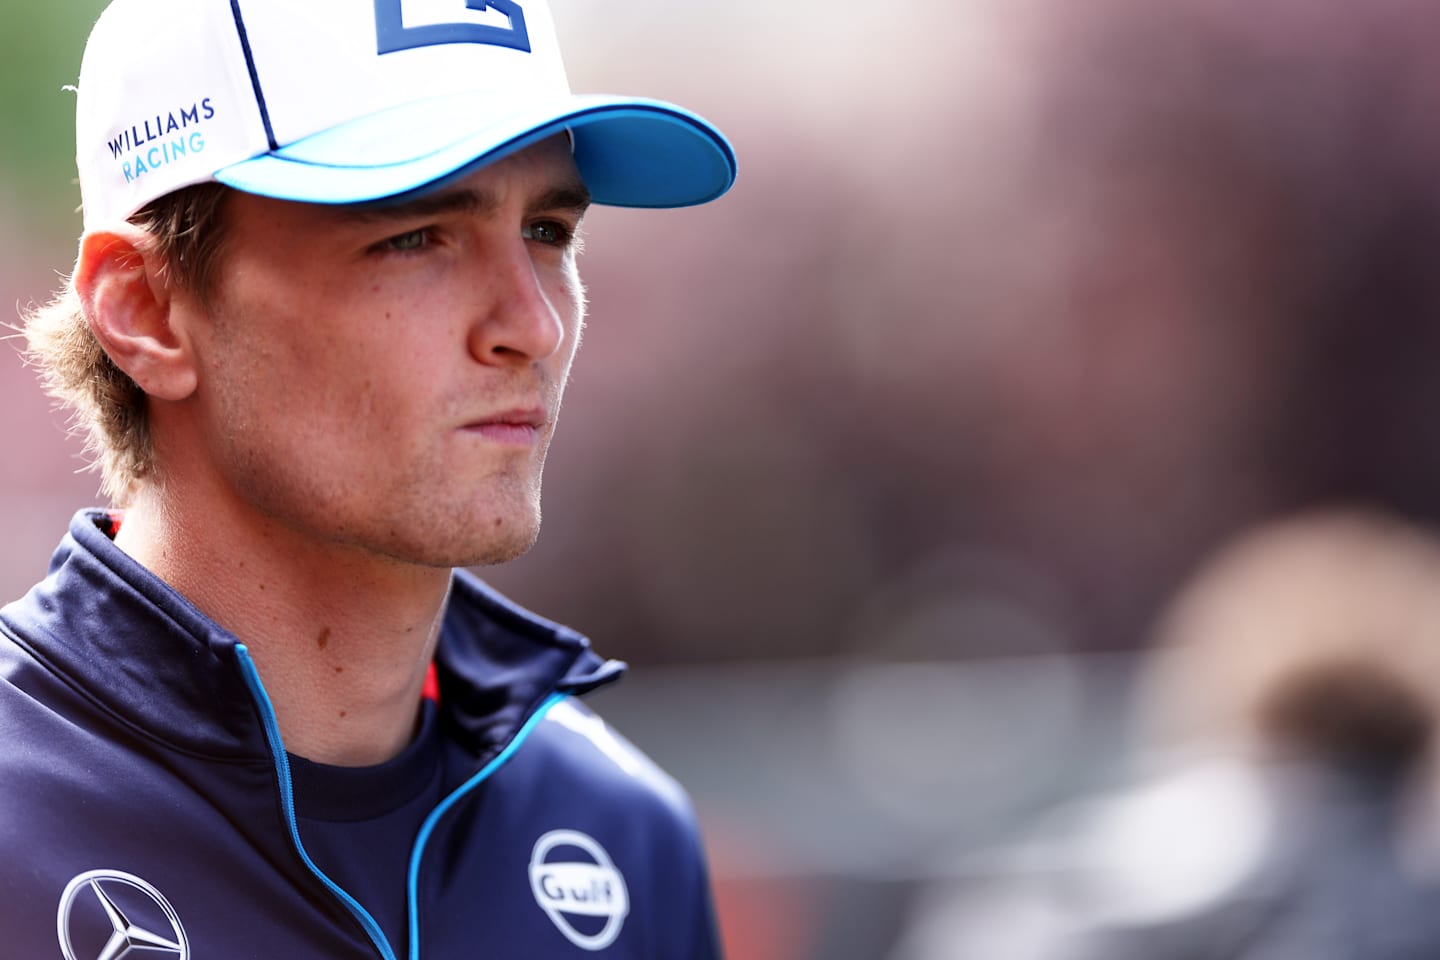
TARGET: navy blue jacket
(146,799)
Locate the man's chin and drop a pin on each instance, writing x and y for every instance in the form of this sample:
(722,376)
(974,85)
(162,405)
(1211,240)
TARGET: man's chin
(497,533)
(497,554)
(501,540)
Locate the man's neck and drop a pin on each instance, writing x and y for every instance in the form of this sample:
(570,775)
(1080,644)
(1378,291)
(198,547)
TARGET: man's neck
(342,639)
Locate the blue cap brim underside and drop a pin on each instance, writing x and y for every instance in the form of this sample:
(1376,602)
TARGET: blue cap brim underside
(630,153)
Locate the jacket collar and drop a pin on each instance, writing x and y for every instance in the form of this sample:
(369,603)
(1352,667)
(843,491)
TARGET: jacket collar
(144,653)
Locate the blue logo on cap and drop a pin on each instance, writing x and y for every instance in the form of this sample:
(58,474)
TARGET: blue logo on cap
(393,35)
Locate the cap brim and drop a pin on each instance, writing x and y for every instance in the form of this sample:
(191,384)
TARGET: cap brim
(630,152)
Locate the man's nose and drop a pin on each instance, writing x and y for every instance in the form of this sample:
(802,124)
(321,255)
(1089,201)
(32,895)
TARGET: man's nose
(515,322)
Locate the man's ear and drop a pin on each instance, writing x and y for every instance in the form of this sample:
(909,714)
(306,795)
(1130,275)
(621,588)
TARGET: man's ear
(127,299)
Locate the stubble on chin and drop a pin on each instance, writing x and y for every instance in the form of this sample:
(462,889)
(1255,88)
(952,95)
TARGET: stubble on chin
(501,530)
(505,540)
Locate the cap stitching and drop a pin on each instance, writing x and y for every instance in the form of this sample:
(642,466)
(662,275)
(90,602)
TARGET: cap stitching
(254,74)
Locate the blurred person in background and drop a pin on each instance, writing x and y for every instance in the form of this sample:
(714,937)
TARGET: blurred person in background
(1296,686)
(1283,805)
(325,307)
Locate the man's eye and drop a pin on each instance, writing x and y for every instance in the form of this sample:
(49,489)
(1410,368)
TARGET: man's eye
(548,232)
(405,242)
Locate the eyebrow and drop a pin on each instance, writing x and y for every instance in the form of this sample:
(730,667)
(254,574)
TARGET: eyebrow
(571,196)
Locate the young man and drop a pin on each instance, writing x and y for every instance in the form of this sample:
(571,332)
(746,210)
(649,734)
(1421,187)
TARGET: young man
(324,310)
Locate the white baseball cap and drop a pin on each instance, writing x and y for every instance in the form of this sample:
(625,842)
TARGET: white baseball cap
(348,101)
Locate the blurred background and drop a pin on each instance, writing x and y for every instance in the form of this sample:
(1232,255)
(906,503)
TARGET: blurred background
(895,473)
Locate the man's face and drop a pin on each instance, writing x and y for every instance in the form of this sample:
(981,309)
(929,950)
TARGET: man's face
(388,378)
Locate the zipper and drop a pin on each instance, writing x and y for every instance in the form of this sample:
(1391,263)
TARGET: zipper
(417,853)
(287,802)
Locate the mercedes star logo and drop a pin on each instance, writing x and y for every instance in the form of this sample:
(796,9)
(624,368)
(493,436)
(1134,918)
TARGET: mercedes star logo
(109,899)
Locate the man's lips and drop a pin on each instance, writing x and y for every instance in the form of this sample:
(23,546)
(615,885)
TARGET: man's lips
(517,427)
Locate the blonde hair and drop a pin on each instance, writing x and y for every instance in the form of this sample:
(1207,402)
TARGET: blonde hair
(107,409)
(1328,589)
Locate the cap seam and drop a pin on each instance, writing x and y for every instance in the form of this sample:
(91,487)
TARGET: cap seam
(254,74)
